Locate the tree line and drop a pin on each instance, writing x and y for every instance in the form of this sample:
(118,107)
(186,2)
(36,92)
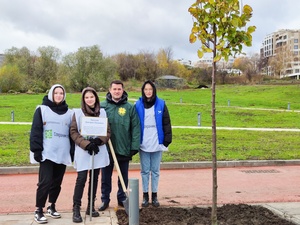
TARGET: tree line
(27,71)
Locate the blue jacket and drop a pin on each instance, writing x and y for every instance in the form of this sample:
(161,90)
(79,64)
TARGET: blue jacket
(158,111)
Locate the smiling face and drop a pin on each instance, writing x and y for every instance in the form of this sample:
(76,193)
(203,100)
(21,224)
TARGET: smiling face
(58,95)
(116,91)
(90,99)
(148,91)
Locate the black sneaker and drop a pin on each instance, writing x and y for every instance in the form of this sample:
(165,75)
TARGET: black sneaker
(39,216)
(51,211)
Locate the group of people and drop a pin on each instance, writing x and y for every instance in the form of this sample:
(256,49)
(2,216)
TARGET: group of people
(56,141)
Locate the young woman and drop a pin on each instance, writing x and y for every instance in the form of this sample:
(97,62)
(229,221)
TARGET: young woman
(156,135)
(85,147)
(50,145)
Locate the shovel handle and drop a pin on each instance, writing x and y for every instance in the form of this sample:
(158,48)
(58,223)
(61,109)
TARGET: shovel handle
(117,165)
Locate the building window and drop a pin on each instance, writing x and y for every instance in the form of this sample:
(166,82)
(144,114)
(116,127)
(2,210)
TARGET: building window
(296,70)
(295,40)
(295,46)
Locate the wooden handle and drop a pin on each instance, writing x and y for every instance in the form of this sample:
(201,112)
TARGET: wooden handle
(117,165)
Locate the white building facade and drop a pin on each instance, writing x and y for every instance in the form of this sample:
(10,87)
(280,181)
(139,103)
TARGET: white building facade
(282,47)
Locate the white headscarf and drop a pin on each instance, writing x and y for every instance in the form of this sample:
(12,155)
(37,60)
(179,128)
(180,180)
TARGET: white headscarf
(50,94)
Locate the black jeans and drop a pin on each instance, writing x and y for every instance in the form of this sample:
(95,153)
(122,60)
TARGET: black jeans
(50,178)
(80,183)
(106,179)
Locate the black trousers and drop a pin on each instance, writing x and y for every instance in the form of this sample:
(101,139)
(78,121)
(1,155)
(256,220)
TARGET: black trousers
(50,178)
(80,183)
(106,181)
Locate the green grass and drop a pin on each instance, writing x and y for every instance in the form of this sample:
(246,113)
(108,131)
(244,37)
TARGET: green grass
(14,145)
(250,106)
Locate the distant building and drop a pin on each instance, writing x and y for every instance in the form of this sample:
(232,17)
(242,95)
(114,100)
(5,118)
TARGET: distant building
(1,59)
(282,46)
(207,62)
(169,81)
(222,65)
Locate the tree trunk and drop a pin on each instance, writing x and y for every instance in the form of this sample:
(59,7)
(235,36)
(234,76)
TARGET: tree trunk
(214,219)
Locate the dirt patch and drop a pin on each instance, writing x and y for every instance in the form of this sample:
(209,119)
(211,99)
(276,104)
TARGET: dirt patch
(229,214)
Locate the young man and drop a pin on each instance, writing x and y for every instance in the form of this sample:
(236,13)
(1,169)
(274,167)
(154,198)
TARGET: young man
(125,138)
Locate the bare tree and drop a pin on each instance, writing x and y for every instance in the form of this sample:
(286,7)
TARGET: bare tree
(281,61)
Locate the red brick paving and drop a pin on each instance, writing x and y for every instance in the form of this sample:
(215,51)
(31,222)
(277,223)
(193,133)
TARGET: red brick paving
(178,187)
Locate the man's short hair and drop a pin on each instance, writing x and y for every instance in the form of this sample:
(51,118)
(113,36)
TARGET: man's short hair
(116,82)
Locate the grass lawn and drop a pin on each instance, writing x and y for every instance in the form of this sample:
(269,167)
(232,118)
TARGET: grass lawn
(269,106)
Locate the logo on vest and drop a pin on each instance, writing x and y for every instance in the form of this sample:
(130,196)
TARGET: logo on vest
(48,134)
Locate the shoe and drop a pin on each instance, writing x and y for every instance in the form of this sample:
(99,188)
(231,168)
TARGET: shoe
(39,216)
(155,202)
(145,202)
(103,206)
(76,214)
(120,204)
(94,212)
(51,211)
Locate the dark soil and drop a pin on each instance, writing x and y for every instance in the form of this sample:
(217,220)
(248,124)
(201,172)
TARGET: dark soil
(230,214)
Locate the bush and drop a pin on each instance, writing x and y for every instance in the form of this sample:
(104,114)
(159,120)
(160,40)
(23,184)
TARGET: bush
(11,79)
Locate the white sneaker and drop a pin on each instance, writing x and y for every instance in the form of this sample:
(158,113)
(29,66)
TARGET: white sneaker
(51,211)
(39,217)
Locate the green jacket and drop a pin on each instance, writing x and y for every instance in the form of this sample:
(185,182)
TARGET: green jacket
(125,126)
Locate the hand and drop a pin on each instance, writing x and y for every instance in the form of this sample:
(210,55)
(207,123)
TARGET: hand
(133,152)
(96,141)
(166,144)
(92,147)
(38,156)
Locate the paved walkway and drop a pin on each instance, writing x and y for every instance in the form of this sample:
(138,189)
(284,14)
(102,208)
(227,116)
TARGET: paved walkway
(275,187)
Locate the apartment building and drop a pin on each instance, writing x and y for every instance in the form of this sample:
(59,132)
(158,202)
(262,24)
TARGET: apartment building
(281,51)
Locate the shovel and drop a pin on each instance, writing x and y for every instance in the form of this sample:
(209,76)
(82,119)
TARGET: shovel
(126,201)
(92,186)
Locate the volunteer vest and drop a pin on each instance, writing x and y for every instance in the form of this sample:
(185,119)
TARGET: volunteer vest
(82,159)
(56,139)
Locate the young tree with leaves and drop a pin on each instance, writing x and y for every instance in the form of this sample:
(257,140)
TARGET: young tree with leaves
(220,26)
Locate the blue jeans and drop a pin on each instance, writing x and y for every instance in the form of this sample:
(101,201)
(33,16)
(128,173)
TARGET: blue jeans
(150,165)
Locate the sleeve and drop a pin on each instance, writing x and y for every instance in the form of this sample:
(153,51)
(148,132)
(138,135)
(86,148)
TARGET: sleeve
(76,136)
(167,127)
(135,130)
(36,133)
(72,149)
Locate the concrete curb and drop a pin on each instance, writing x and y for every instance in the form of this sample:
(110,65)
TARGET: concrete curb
(170,165)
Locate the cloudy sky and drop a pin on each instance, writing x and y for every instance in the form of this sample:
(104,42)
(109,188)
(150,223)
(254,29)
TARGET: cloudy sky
(124,25)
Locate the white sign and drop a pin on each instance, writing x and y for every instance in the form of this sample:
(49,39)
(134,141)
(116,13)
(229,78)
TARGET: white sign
(93,126)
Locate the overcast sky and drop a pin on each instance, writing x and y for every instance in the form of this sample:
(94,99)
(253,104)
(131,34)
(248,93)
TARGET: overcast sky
(124,25)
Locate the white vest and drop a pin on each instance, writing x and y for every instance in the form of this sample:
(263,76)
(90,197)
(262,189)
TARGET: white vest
(150,139)
(82,159)
(56,138)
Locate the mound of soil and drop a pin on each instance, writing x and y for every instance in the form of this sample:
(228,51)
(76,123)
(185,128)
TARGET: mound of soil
(229,214)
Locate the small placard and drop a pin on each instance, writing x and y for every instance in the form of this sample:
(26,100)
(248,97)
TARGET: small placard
(93,126)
